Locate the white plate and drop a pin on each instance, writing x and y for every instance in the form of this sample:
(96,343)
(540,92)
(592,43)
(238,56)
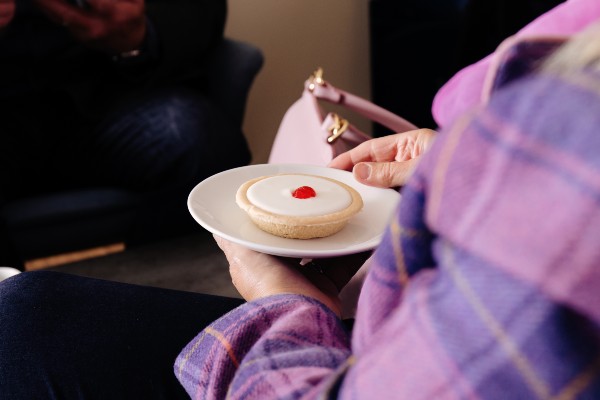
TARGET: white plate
(212,204)
(7,272)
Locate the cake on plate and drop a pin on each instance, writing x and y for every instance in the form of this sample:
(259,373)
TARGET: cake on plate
(299,206)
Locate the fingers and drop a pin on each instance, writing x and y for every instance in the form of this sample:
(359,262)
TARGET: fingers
(398,147)
(256,275)
(246,281)
(387,161)
(111,26)
(64,14)
(7,12)
(378,149)
(242,257)
(109,8)
(384,174)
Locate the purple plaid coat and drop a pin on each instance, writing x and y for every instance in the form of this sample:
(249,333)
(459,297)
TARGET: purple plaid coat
(485,286)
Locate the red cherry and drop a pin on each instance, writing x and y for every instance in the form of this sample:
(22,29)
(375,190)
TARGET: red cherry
(304,192)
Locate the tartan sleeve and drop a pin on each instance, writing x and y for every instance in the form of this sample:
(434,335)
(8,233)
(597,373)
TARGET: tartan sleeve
(277,347)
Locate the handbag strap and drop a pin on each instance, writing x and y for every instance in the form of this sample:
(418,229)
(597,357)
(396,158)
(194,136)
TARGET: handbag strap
(323,90)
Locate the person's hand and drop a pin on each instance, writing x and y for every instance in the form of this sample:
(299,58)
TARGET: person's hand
(111,26)
(256,275)
(7,12)
(387,161)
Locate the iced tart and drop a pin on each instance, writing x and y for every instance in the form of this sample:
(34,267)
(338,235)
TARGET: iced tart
(298,206)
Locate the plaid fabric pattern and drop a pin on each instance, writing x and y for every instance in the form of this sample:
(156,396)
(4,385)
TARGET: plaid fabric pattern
(464,90)
(486,284)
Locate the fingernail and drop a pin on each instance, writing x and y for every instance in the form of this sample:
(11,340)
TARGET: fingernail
(362,171)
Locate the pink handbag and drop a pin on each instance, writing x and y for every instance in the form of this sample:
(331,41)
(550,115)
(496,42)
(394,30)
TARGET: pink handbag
(309,135)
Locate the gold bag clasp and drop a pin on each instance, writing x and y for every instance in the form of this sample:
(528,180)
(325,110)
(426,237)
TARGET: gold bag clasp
(339,126)
(316,78)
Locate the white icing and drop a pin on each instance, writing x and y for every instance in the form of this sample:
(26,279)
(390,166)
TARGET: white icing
(274,194)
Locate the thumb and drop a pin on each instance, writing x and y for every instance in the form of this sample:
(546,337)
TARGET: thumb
(384,174)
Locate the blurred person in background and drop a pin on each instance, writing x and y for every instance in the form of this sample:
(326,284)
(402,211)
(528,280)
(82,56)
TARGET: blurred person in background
(110,92)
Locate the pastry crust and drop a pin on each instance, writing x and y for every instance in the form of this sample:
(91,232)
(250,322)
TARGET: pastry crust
(299,227)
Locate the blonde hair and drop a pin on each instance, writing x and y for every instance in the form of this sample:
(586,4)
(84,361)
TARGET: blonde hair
(581,51)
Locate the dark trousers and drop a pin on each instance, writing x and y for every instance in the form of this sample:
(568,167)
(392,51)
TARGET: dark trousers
(155,141)
(69,337)
(157,144)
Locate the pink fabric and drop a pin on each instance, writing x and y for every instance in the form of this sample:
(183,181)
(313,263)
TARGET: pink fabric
(464,91)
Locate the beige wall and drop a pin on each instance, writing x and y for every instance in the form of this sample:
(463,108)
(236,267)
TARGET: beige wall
(296,37)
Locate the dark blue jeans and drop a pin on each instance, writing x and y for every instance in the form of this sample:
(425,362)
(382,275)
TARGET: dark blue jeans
(158,143)
(153,141)
(69,337)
